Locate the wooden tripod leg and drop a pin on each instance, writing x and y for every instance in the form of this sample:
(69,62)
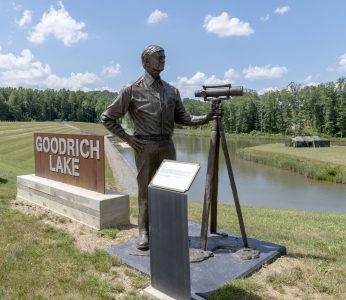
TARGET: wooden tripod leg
(215,185)
(233,186)
(208,186)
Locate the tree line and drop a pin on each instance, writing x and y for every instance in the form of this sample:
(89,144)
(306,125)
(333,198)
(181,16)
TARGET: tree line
(22,104)
(308,110)
(295,110)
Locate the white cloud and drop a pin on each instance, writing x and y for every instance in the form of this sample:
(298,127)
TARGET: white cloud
(282,10)
(106,88)
(15,6)
(156,16)
(23,70)
(76,81)
(223,25)
(25,19)
(267,90)
(265,18)
(265,72)
(310,80)
(10,61)
(231,73)
(188,86)
(342,63)
(111,70)
(59,24)
(312,83)
(341,68)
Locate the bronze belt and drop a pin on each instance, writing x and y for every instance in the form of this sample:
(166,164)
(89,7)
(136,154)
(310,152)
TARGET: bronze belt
(154,137)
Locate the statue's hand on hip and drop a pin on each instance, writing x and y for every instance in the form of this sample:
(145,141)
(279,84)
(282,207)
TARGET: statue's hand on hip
(135,143)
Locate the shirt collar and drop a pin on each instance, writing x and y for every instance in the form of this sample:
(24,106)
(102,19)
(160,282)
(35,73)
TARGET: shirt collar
(149,80)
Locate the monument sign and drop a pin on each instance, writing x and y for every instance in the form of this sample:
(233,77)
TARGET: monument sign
(73,159)
(69,180)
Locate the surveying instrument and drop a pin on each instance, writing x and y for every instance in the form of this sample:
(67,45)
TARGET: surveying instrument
(216,94)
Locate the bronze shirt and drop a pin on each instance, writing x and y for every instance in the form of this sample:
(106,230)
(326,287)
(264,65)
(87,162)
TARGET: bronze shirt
(153,106)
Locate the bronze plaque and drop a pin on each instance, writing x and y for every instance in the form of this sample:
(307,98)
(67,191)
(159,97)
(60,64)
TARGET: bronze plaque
(71,158)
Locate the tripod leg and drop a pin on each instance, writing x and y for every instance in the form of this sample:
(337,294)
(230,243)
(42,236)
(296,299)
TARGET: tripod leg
(215,184)
(233,186)
(208,186)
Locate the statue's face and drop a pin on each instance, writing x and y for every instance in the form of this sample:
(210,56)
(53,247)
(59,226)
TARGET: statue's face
(155,63)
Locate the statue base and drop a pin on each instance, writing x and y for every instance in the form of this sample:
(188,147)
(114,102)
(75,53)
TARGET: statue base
(230,259)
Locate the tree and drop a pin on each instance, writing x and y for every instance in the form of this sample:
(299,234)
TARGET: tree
(5,113)
(341,100)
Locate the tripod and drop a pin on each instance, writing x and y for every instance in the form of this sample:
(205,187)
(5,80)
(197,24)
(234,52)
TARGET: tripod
(212,180)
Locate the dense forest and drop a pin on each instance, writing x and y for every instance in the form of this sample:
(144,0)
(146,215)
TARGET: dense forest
(26,104)
(295,110)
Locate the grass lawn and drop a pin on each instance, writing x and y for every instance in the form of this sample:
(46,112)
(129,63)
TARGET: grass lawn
(38,261)
(90,128)
(326,163)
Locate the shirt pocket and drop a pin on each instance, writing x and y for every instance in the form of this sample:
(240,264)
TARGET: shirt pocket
(145,104)
(170,108)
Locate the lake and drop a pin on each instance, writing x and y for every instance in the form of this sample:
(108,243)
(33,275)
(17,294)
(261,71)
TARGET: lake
(258,185)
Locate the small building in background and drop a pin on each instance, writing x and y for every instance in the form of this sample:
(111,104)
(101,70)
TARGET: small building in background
(308,141)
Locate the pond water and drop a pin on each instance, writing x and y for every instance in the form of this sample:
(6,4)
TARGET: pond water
(258,185)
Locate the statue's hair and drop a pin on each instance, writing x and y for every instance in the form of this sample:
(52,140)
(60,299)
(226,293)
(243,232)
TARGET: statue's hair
(149,50)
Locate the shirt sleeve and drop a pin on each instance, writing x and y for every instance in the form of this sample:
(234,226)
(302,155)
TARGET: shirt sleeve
(184,118)
(120,105)
(116,110)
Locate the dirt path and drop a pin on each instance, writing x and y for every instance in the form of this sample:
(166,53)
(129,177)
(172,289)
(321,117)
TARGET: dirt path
(122,171)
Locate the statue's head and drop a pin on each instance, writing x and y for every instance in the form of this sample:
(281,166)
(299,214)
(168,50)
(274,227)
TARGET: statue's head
(153,60)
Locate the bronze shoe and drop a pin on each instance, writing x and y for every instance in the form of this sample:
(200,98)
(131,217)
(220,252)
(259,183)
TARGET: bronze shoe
(143,241)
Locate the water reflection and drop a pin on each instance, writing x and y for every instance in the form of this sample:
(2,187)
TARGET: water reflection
(258,185)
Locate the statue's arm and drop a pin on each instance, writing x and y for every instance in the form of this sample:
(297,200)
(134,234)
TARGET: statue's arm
(184,118)
(110,118)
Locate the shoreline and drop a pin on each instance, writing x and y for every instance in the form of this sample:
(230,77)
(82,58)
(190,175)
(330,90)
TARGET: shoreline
(324,164)
(250,136)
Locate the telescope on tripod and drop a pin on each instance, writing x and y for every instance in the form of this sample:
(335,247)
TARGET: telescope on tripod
(225,90)
(215,94)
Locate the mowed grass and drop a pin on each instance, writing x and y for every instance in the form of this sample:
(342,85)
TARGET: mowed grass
(40,262)
(90,128)
(36,260)
(333,154)
(326,163)
(315,265)
(17,151)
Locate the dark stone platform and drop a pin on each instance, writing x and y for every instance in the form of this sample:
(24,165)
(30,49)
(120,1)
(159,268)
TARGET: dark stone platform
(213,273)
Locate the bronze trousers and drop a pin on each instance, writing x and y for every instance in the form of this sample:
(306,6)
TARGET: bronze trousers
(147,163)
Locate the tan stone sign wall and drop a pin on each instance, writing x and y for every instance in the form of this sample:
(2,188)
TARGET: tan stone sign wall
(74,159)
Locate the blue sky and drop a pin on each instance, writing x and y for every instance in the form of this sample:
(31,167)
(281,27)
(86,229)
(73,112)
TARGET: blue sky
(92,45)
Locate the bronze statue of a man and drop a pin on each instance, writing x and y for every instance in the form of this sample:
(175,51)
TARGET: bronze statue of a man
(154,106)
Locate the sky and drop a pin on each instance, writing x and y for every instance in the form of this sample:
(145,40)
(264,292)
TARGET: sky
(96,45)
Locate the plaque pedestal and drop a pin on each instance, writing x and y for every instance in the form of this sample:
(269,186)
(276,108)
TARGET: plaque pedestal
(91,208)
(169,245)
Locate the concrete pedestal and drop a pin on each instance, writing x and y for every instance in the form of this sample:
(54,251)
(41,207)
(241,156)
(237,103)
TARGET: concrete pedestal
(88,207)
